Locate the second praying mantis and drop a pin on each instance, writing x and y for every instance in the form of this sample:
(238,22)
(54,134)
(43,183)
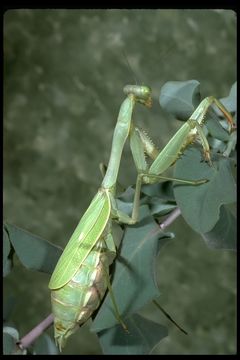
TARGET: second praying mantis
(81,276)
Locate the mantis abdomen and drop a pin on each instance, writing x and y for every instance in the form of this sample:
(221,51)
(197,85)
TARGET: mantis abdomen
(74,303)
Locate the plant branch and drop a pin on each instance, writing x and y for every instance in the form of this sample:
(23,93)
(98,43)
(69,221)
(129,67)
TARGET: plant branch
(32,336)
(170,219)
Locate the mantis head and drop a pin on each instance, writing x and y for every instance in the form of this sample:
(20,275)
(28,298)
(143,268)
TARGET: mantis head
(142,94)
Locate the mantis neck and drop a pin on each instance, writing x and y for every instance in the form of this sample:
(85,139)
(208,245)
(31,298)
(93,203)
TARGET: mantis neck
(120,135)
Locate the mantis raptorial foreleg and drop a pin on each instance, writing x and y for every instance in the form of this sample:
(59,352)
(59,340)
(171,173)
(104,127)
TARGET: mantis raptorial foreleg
(141,144)
(185,136)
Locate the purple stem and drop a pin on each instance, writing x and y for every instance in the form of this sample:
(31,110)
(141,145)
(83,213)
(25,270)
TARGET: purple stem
(171,218)
(32,336)
(28,339)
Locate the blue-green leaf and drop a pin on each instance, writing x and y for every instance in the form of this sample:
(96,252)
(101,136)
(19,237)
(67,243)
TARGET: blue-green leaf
(159,198)
(224,233)
(200,205)
(134,282)
(180,98)
(143,336)
(160,207)
(214,126)
(34,252)
(45,346)
(230,101)
(10,339)
(7,262)
(8,344)
(163,190)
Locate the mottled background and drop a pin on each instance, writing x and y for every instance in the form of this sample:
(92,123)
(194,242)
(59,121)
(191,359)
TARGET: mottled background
(64,71)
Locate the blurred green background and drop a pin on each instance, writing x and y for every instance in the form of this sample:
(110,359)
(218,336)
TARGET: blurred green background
(64,71)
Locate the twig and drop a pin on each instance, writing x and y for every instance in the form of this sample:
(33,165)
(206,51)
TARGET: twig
(32,336)
(171,218)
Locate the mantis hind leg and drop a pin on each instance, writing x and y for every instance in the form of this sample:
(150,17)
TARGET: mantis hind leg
(116,310)
(115,306)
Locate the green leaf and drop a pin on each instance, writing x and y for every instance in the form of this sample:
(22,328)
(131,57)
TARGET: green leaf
(180,98)
(224,233)
(134,282)
(143,336)
(200,205)
(34,252)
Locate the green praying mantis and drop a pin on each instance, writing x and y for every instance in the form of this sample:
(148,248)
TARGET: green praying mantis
(81,276)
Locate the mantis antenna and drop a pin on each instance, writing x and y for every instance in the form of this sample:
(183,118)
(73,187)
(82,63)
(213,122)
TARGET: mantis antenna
(130,67)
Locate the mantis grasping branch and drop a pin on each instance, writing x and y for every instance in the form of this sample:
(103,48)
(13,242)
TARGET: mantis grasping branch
(80,278)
